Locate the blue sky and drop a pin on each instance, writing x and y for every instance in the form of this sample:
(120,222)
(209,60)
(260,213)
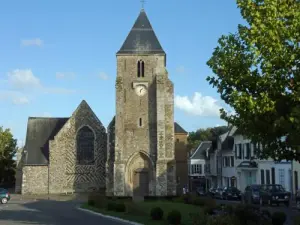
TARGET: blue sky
(54,54)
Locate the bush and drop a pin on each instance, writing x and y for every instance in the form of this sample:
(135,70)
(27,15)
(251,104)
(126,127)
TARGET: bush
(111,206)
(97,200)
(278,218)
(91,202)
(120,207)
(157,213)
(174,217)
(198,201)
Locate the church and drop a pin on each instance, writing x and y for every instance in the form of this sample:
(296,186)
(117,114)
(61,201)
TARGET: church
(141,152)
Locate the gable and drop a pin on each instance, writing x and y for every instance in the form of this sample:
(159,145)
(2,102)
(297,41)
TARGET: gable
(178,129)
(39,131)
(200,151)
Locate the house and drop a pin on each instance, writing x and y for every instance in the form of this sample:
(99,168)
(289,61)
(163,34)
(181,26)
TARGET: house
(197,167)
(227,160)
(252,170)
(233,162)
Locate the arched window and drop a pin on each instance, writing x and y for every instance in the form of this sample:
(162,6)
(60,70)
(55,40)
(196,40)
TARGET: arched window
(141,68)
(85,146)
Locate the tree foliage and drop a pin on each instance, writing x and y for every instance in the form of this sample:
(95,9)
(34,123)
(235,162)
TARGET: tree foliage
(208,134)
(8,146)
(257,73)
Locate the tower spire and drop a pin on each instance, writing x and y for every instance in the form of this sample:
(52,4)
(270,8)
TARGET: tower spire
(143,4)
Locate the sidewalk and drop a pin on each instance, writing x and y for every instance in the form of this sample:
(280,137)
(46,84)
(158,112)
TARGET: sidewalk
(56,197)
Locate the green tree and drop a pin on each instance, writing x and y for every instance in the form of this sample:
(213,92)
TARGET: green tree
(256,72)
(207,134)
(8,146)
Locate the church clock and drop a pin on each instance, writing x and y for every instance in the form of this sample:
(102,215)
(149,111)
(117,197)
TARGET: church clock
(140,88)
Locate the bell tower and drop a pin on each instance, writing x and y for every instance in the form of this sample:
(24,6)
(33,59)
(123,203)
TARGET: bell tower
(144,162)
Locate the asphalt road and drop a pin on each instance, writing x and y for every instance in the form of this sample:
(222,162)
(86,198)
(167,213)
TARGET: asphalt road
(48,212)
(51,212)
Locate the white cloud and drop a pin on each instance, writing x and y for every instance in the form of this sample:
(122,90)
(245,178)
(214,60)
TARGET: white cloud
(180,69)
(198,105)
(64,75)
(46,114)
(15,97)
(32,42)
(23,79)
(103,76)
(21,101)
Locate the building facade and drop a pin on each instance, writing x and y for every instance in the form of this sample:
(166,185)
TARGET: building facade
(138,153)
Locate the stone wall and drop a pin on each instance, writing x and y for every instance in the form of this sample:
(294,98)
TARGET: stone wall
(35,179)
(65,174)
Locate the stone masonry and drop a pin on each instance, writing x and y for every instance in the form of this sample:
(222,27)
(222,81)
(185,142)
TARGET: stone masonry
(64,173)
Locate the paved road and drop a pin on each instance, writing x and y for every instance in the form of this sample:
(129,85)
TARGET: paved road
(291,212)
(48,212)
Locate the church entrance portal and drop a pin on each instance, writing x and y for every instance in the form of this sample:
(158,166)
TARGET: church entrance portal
(141,182)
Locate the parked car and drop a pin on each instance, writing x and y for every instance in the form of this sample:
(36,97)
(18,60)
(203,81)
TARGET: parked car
(274,194)
(251,194)
(298,199)
(4,196)
(219,192)
(231,193)
(212,191)
(200,191)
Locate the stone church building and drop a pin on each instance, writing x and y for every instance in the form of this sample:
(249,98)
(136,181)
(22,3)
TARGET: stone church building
(142,151)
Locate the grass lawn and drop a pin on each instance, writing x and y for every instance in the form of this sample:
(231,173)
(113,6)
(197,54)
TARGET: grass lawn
(141,212)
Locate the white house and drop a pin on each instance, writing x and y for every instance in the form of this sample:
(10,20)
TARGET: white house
(251,170)
(197,166)
(225,145)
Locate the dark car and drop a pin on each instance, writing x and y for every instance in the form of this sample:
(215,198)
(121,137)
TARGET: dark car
(298,199)
(231,193)
(200,191)
(4,196)
(219,193)
(274,194)
(212,191)
(251,194)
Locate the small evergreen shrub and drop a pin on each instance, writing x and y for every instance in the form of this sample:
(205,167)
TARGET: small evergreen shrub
(278,218)
(96,200)
(174,217)
(120,207)
(111,206)
(157,213)
(91,202)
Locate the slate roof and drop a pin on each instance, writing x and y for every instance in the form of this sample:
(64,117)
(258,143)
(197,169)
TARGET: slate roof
(141,39)
(199,152)
(178,129)
(39,131)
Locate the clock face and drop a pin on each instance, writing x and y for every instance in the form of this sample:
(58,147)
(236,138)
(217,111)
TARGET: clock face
(140,90)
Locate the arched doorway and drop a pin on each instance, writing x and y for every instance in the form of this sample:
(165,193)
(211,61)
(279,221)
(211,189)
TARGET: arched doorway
(139,175)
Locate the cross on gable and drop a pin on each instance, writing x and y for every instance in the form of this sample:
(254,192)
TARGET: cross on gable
(143,3)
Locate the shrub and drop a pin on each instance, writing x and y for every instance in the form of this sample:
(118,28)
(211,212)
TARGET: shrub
(174,217)
(245,213)
(157,213)
(278,218)
(198,218)
(97,200)
(91,202)
(198,201)
(111,206)
(228,209)
(120,207)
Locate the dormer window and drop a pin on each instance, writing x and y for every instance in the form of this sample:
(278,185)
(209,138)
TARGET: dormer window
(140,68)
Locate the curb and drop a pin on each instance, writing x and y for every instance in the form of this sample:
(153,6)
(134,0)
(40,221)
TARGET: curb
(109,217)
